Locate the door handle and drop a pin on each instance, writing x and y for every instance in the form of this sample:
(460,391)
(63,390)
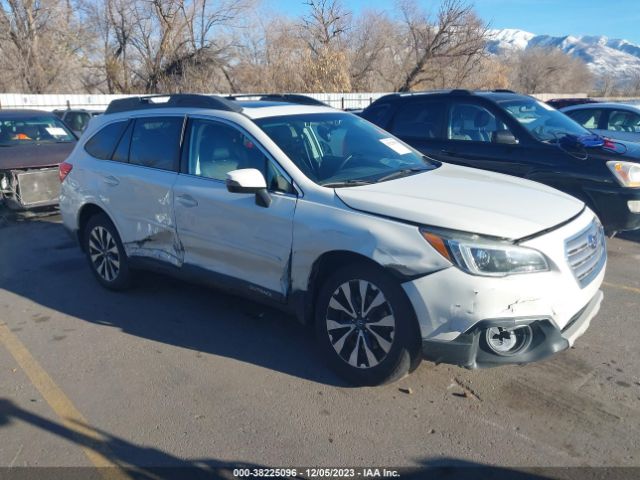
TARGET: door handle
(187,200)
(111,180)
(446,151)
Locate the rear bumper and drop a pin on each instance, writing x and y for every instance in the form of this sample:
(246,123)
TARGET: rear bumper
(466,350)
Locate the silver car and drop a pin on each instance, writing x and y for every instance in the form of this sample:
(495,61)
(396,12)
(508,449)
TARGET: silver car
(619,121)
(392,256)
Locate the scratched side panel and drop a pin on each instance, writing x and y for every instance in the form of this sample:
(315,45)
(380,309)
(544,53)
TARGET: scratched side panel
(139,202)
(144,204)
(334,227)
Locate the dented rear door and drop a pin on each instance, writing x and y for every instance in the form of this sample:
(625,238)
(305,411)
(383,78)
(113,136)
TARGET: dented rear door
(140,191)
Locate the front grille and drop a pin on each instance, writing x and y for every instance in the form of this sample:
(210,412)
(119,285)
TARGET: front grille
(586,253)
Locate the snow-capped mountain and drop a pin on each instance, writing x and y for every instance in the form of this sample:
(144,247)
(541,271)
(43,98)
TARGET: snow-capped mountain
(617,58)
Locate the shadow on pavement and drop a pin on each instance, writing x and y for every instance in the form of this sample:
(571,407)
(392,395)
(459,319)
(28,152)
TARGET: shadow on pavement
(142,462)
(46,267)
(135,461)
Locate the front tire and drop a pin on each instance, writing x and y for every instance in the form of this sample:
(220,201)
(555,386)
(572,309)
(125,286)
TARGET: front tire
(105,253)
(366,327)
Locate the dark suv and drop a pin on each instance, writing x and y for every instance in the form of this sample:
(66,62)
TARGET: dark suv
(518,135)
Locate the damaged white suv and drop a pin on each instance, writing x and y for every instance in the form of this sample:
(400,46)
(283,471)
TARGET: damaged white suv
(392,256)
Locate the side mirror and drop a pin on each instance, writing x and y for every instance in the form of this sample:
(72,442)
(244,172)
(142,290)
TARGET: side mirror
(504,137)
(249,180)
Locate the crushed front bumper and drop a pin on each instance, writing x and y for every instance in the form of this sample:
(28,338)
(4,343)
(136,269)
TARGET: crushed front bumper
(467,351)
(32,188)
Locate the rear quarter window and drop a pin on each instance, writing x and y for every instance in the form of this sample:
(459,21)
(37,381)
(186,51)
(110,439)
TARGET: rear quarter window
(103,143)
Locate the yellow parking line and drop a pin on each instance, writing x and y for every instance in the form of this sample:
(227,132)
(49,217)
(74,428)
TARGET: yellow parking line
(621,287)
(71,417)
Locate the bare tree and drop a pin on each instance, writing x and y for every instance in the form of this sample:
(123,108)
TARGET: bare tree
(39,42)
(323,29)
(537,70)
(455,33)
(368,47)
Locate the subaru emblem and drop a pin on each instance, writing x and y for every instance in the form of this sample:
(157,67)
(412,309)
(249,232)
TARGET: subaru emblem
(593,241)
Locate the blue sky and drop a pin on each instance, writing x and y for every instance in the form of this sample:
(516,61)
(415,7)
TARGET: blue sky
(613,18)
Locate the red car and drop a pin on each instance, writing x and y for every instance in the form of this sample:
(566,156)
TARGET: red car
(32,145)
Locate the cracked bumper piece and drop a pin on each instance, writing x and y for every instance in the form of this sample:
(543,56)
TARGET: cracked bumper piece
(470,349)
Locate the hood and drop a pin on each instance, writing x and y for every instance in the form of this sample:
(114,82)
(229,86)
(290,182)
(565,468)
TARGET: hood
(466,199)
(34,156)
(622,150)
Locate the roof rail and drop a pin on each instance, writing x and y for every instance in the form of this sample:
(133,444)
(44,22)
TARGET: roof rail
(279,97)
(460,91)
(174,100)
(503,90)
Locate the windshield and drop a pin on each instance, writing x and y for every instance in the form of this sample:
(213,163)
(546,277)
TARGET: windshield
(334,148)
(544,122)
(30,130)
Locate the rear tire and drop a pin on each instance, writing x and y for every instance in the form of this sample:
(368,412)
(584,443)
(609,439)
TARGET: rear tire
(366,327)
(105,253)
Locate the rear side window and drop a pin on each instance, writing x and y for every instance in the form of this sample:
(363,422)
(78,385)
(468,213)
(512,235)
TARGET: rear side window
(103,143)
(421,120)
(376,114)
(156,142)
(624,121)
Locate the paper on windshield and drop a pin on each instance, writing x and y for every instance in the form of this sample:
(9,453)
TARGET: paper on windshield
(395,145)
(56,131)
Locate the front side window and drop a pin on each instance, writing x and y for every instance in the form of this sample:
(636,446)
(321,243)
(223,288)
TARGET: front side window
(332,148)
(103,143)
(419,120)
(156,142)
(624,121)
(78,121)
(215,149)
(545,123)
(474,123)
(36,129)
(588,118)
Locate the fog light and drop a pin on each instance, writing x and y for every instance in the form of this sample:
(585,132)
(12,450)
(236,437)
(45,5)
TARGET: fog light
(508,341)
(634,206)
(4,183)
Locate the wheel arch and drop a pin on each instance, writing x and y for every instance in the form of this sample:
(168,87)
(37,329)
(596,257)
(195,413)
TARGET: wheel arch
(328,262)
(88,211)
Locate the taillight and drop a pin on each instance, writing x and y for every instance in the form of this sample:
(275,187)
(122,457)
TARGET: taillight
(63,170)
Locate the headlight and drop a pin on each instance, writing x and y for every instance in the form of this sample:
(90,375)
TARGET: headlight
(627,173)
(479,256)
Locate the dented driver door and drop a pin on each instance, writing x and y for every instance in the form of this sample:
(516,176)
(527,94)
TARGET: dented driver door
(227,236)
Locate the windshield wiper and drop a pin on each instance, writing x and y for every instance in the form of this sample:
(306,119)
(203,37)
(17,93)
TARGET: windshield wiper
(347,183)
(402,173)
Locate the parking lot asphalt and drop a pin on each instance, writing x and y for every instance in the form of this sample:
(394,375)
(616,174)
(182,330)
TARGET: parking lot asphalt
(173,374)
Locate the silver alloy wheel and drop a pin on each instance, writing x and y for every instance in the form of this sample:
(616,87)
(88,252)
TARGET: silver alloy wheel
(104,254)
(360,323)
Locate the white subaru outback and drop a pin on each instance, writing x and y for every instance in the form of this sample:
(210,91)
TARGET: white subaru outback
(392,256)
